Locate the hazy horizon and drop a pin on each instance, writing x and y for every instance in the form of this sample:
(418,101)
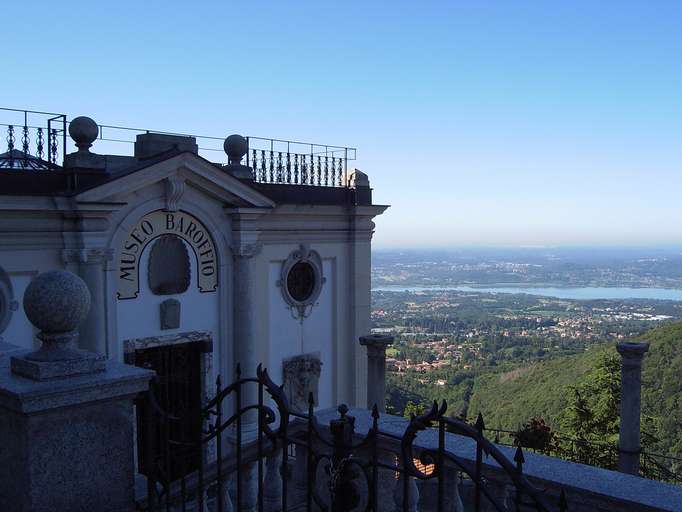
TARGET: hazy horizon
(634,247)
(480,123)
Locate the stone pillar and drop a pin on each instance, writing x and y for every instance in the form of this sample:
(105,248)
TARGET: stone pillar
(376,369)
(93,329)
(630,405)
(246,355)
(66,415)
(245,318)
(90,264)
(360,300)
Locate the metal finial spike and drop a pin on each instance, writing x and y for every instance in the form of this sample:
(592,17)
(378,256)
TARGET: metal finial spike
(311,399)
(375,412)
(518,456)
(480,425)
(238,371)
(563,502)
(217,381)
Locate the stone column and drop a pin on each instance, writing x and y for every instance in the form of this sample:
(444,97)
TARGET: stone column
(66,415)
(630,406)
(246,355)
(376,369)
(245,340)
(93,329)
(90,264)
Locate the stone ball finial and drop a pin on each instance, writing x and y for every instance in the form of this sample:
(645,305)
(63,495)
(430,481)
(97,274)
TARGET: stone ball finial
(83,131)
(57,301)
(236,147)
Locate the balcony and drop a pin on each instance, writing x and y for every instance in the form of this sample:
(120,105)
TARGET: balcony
(341,459)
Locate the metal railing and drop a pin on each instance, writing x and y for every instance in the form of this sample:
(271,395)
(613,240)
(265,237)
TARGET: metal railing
(34,140)
(298,163)
(292,462)
(654,466)
(37,140)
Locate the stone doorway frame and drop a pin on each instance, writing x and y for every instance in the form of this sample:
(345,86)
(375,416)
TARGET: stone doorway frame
(130,346)
(206,360)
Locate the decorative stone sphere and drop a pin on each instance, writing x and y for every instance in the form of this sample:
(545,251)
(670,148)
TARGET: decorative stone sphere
(57,301)
(83,131)
(236,147)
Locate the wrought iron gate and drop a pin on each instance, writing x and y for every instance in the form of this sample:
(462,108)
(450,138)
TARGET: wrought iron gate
(264,456)
(177,391)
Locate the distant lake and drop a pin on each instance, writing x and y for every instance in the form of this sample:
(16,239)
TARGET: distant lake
(586,293)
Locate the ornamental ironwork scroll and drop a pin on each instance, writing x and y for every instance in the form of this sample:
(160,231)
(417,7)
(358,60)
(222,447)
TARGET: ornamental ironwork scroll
(335,467)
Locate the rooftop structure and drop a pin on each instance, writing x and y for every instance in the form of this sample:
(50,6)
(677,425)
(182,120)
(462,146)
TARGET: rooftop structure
(42,141)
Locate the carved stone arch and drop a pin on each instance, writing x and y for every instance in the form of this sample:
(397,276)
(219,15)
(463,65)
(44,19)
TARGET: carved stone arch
(161,223)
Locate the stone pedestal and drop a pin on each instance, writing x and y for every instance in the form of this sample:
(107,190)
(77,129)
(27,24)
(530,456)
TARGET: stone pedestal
(376,369)
(68,443)
(629,447)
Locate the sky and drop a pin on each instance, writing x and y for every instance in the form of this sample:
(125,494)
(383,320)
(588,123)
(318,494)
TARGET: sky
(506,123)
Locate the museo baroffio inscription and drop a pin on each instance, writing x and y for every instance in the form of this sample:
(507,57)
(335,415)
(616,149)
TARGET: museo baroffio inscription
(156,224)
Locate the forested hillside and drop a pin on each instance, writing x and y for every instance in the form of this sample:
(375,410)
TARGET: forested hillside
(509,399)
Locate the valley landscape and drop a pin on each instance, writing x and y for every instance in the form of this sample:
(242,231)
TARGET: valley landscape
(476,329)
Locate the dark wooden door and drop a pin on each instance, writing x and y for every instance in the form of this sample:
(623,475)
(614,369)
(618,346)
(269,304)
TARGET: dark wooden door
(168,443)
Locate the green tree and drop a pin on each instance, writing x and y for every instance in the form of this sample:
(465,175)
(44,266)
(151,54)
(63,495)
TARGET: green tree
(591,419)
(412,408)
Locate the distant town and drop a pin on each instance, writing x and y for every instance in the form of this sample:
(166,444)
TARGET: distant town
(443,332)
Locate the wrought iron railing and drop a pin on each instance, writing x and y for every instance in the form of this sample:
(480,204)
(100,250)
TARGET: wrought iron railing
(34,140)
(298,163)
(292,462)
(37,140)
(654,466)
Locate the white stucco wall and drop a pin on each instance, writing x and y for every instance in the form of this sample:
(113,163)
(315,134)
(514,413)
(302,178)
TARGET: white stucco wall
(140,317)
(290,336)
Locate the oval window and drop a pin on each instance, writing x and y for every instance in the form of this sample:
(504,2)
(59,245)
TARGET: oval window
(301,281)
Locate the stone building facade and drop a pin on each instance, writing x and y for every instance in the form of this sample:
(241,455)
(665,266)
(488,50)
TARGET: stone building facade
(195,267)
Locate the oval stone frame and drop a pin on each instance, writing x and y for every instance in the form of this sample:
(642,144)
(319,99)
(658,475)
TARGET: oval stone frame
(301,309)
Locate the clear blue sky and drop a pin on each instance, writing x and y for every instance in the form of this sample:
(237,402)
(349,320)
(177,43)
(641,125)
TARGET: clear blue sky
(513,123)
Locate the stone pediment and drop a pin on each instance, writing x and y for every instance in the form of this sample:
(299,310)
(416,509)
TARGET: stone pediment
(177,172)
